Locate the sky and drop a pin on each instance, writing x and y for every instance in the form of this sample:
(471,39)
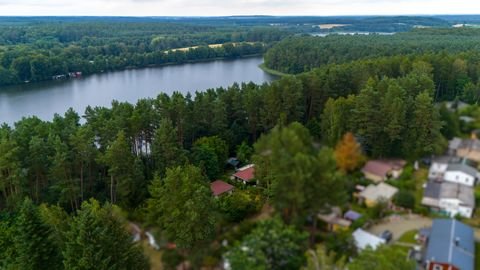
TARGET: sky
(235,7)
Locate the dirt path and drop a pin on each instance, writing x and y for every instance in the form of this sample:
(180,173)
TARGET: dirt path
(399,225)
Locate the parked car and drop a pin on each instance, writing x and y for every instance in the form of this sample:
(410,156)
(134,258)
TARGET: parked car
(387,235)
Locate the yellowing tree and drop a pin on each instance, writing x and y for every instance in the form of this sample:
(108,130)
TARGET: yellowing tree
(348,153)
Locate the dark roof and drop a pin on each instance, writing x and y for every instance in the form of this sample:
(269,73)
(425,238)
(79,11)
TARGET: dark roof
(443,159)
(463,168)
(219,187)
(471,144)
(382,167)
(448,190)
(352,215)
(451,242)
(245,174)
(233,161)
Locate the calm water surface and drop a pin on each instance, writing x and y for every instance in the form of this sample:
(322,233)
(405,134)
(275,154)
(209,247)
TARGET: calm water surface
(47,98)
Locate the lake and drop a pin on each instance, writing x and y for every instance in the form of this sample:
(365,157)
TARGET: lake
(47,98)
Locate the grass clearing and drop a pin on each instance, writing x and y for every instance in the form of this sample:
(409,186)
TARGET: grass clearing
(408,237)
(477,255)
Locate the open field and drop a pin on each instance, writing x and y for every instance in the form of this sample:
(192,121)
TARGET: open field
(213,46)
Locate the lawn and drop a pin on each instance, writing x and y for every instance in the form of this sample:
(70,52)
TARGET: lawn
(477,255)
(408,237)
(420,176)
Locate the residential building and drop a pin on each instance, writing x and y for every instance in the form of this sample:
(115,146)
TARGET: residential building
(220,188)
(469,148)
(450,246)
(461,173)
(365,239)
(449,198)
(374,193)
(246,174)
(334,219)
(383,169)
(439,166)
(352,215)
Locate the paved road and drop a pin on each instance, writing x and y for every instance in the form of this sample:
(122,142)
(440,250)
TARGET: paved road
(399,225)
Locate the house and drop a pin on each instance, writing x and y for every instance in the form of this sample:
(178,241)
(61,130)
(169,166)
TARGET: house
(374,193)
(450,246)
(334,219)
(365,239)
(470,149)
(246,174)
(383,169)
(220,188)
(461,173)
(352,215)
(449,198)
(439,166)
(453,145)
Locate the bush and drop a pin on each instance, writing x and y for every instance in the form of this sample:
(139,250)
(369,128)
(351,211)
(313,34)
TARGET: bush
(239,205)
(171,259)
(404,199)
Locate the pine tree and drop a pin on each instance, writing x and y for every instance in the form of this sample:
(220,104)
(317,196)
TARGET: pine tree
(33,240)
(96,239)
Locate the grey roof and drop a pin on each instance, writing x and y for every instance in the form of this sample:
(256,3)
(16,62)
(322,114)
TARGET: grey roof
(462,168)
(443,159)
(451,242)
(472,144)
(454,143)
(447,190)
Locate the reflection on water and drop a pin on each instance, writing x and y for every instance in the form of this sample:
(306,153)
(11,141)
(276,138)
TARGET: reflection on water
(46,98)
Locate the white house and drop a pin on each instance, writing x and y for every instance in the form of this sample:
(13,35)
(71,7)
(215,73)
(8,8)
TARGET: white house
(461,174)
(439,167)
(449,198)
(365,239)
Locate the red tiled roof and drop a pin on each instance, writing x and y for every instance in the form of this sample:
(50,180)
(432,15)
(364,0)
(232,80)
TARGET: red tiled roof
(219,187)
(246,174)
(382,167)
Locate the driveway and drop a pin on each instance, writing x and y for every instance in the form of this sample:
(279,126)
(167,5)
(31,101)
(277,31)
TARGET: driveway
(399,225)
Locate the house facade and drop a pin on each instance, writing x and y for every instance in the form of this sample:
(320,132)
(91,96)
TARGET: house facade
(461,174)
(449,198)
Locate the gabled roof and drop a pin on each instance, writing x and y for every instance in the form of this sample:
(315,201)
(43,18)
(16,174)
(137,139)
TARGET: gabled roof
(451,242)
(463,168)
(246,173)
(364,239)
(219,187)
(446,190)
(382,167)
(378,192)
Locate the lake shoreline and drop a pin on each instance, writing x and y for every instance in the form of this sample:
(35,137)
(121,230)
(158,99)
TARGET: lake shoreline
(143,67)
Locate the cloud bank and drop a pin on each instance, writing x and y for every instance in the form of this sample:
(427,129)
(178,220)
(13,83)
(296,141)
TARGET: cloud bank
(235,7)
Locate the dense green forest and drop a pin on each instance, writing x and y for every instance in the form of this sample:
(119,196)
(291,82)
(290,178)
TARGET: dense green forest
(72,189)
(39,51)
(151,157)
(299,54)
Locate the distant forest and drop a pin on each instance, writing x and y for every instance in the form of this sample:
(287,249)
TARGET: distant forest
(37,48)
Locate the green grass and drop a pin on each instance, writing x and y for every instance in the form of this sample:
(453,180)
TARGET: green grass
(477,255)
(408,237)
(420,178)
(272,71)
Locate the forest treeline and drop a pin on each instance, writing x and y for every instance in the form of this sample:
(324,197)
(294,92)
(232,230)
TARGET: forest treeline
(152,157)
(65,162)
(299,54)
(36,52)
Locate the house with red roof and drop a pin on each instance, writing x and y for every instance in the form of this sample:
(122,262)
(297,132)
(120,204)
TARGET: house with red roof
(245,174)
(382,169)
(220,188)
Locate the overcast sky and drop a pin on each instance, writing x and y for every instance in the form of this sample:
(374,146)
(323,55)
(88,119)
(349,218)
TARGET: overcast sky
(236,7)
